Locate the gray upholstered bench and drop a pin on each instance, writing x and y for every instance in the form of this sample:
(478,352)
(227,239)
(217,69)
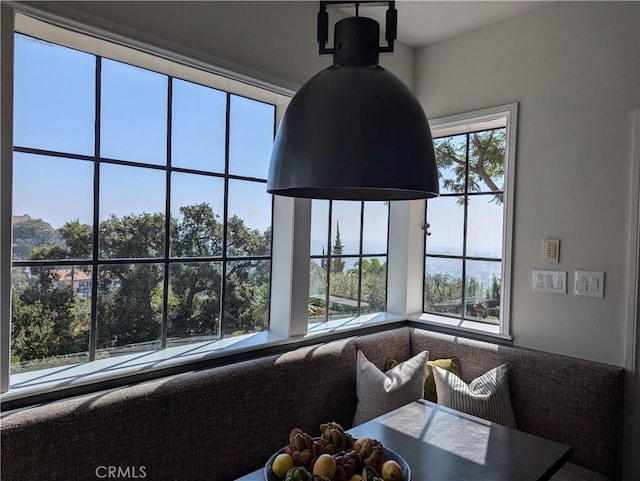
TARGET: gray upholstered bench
(223,422)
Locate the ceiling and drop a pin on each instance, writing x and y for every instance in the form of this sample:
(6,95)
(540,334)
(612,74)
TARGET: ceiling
(422,22)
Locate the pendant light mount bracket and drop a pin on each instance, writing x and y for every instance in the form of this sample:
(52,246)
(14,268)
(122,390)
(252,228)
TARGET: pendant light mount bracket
(391,26)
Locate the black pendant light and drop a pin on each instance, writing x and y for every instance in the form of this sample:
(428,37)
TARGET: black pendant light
(354,131)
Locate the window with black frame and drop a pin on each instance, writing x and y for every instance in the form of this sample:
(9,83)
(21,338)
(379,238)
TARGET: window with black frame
(348,269)
(141,218)
(464,247)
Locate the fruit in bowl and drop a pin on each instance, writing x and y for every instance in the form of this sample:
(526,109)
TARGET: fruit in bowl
(335,456)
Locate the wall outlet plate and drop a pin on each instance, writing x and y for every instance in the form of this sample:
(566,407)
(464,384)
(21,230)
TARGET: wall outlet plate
(554,282)
(589,283)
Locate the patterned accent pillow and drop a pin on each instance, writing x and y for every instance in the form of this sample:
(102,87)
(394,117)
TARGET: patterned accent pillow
(380,392)
(486,396)
(450,364)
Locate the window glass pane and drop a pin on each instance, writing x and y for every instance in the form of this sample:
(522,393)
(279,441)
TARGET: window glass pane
(133,121)
(58,225)
(451,154)
(132,205)
(343,287)
(54,97)
(50,311)
(249,218)
(251,127)
(484,227)
(445,216)
(483,291)
(374,285)
(319,227)
(443,285)
(486,161)
(197,209)
(246,297)
(317,290)
(129,308)
(375,227)
(198,127)
(345,227)
(194,306)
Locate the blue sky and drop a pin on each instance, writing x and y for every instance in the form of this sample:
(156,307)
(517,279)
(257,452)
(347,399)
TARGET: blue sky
(55,110)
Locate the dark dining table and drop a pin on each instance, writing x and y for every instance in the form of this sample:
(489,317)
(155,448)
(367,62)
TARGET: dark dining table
(442,444)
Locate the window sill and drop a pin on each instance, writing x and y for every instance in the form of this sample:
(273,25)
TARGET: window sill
(104,373)
(470,328)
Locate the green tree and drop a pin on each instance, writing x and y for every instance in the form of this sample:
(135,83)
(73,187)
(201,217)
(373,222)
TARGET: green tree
(195,286)
(493,292)
(47,318)
(337,264)
(443,293)
(33,233)
(129,298)
(473,288)
(374,284)
(198,233)
(486,162)
(247,298)
(78,239)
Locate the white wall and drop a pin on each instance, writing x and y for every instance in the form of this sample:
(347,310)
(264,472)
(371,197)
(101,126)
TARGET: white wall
(574,69)
(273,38)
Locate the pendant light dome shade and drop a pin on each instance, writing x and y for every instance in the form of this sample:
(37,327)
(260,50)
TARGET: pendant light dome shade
(354,131)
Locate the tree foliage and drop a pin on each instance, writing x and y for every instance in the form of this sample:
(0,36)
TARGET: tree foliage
(33,233)
(443,294)
(50,319)
(485,166)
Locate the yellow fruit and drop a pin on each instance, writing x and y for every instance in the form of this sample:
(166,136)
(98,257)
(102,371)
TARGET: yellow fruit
(355,477)
(281,465)
(325,465)
(391,471)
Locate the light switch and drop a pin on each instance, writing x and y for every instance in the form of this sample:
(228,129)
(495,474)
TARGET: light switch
(554,282)
(589,283)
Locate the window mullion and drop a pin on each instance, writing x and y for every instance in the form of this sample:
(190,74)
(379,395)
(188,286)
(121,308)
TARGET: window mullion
(329,258)
(95,269)
(225,209)
(359,310)
(465,197)
(167,220)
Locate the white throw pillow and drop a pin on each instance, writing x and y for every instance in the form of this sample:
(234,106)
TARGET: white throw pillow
(486,396)
(380,392)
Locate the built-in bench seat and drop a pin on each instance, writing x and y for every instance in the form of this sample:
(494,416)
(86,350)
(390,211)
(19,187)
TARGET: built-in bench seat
(223,422)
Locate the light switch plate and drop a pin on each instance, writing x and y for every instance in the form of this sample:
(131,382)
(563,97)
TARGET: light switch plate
(554,282)
(589,283)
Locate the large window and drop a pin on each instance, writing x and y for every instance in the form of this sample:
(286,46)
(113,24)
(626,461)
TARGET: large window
(141,222)
(348,270)
(467,255)
(141,218)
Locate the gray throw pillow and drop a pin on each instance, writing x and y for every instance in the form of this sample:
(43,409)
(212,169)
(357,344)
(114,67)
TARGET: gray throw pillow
(380,392)
(486,396)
